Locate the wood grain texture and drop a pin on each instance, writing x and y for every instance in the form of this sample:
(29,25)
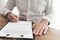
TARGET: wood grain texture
(3,21)
(52,34)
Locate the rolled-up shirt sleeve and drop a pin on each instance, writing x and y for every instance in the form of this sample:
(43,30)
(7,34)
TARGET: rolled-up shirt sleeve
(49,11)
(8,7)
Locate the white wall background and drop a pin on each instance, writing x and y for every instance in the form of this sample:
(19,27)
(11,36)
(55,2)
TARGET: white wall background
(56,22)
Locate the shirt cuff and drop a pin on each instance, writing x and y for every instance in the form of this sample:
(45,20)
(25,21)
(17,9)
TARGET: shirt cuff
(46,18)
(5,11)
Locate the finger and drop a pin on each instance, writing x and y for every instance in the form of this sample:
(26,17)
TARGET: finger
(37,26)
(16,17)
(45,30)
(34,31)
(33,25)
(12,16)
(41,31)
(37,32)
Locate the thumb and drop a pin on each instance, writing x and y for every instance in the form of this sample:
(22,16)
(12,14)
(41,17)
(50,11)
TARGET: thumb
(33,25)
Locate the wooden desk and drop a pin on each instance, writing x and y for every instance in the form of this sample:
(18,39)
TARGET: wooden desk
(52,34)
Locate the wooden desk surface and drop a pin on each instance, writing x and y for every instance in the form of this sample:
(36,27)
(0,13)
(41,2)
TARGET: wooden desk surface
(52,34)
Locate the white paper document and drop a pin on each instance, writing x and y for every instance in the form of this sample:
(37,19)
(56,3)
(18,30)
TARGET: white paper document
(20,29)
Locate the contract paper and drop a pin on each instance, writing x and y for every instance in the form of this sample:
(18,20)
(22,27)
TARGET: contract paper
(20,29)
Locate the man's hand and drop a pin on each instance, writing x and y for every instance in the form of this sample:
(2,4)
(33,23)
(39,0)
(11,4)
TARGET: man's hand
(40,27)
(13,18)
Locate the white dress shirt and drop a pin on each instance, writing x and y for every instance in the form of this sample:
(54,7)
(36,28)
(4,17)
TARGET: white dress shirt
(31,10)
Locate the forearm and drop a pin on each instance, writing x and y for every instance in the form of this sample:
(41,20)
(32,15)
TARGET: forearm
(8,7)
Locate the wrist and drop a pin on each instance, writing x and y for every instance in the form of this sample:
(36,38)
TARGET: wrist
(8,14)
(45,21)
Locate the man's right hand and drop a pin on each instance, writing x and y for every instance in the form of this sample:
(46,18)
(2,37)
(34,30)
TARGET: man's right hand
(13,18)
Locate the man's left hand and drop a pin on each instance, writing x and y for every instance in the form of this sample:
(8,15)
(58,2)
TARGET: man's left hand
(40,27)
